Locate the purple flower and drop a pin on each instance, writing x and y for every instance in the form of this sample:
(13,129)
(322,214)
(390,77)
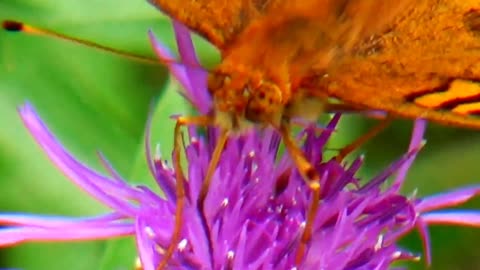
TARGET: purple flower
(256,205)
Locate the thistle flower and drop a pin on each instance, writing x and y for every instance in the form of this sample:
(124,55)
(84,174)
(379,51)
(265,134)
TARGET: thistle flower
(256,204)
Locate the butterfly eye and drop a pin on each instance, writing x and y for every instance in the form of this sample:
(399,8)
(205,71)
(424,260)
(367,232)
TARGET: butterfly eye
(264,104)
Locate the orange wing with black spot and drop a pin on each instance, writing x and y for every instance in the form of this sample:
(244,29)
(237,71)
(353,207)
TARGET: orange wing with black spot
(426,65)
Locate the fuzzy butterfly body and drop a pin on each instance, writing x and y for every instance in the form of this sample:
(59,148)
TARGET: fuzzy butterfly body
(281,59)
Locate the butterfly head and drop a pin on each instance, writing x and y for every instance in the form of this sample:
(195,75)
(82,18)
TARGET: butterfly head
(241,100)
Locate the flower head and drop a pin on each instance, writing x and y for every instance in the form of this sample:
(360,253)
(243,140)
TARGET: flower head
(256,205)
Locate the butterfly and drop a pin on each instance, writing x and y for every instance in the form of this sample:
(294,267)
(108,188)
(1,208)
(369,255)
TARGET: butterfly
(409,58)
(284,59)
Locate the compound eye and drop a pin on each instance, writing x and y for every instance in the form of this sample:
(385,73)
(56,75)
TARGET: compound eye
(264,103)
(269,95)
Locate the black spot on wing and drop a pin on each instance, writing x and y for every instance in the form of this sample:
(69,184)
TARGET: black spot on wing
(441,88)
(451,104)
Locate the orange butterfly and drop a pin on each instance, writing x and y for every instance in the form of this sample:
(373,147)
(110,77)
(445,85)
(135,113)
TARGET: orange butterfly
(283,59)
(409,58)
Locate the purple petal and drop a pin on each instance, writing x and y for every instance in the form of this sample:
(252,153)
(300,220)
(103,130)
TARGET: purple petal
(422,227)
(145,251)
(45,221)
(196,74)
(448,199)
(12,236)
(108,166)
(98,186)
(395,166)
(184,77)
(453,217)
(159,172)
(417,137)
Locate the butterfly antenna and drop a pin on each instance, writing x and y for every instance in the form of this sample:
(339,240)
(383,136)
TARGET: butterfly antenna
(16,26)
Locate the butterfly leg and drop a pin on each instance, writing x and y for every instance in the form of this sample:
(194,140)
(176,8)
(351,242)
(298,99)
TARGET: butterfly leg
(180,183)
(346,150)
(351,109)
(385,121)
(312,178)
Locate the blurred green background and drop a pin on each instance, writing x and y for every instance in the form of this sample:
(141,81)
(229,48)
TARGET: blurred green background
(94,101)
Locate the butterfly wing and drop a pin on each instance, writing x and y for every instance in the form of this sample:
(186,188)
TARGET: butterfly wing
(218,21)
(358,19)
(426,65)
(436,97)
(291,38)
